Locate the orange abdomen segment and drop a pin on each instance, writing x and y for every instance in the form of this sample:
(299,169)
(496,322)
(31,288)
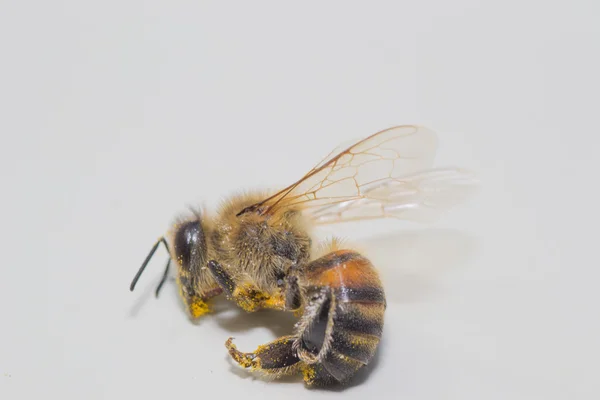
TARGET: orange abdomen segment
(355,297)
(350,274)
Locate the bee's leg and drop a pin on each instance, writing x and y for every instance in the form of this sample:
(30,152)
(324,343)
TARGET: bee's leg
(195,302)
(247,297)
(274,359)
(295,353)
(293,297)
(164,278)
(222,277)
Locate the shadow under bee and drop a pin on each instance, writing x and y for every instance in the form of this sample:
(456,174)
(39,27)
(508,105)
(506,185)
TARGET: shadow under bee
(247,374)
(235,320)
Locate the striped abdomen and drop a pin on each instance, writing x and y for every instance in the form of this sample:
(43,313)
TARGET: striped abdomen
(343,321)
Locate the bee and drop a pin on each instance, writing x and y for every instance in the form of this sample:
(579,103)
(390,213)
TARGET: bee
(257,249)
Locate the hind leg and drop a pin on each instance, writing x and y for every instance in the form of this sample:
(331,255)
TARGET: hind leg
(288,354)
(278,358)
(274,359)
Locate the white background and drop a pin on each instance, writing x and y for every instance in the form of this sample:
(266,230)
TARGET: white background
(115,115)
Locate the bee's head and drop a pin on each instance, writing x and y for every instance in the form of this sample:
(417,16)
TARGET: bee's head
(188,250)
(189,244)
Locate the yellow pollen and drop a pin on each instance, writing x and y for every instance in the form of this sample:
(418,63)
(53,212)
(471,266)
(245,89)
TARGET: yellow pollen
(198,307)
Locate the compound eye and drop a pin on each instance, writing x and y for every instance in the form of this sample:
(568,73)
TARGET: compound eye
(187,242)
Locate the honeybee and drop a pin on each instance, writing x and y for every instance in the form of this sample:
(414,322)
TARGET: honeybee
(258,251)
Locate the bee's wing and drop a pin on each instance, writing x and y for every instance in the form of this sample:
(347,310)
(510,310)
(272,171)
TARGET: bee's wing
(377,172)
(421,197)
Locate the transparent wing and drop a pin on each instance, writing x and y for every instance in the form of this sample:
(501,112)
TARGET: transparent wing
(373,178)
(418,197)
(390,153)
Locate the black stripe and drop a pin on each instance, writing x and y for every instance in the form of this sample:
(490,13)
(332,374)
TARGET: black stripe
(360,295)
(342,343)
(321,377)
(331,260)
(340,369)
(355,321)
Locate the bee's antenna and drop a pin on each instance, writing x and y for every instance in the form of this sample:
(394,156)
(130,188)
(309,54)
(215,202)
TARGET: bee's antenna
(164,277)
(146,261)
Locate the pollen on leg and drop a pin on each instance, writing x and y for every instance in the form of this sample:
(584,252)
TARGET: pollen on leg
(198,307)
(249,298)
(276,302)
(245,360)
(308,373)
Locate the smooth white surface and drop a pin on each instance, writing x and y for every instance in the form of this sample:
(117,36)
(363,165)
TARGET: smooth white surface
(117,114)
